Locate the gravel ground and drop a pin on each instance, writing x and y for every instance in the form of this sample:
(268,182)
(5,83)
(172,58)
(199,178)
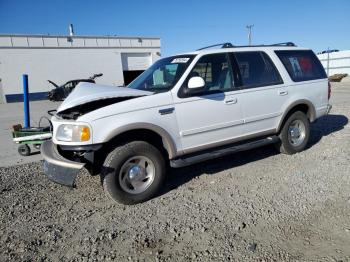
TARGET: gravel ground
(252,206)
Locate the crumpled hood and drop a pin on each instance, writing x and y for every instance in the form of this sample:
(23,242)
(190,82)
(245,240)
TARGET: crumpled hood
(85,93)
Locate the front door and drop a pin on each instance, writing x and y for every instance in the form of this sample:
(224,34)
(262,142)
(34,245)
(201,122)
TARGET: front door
(215,115)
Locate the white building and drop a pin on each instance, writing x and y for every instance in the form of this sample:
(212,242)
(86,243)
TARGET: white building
(63,58)
(339,62)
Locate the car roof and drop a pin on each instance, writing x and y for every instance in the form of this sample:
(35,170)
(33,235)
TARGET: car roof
(243,49)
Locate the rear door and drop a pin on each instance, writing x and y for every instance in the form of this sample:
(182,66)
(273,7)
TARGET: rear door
(263,93)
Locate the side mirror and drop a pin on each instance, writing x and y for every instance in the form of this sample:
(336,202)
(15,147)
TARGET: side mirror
(196,83)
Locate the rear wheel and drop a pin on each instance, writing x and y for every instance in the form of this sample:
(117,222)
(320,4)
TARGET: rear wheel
(133,172)
(295,134)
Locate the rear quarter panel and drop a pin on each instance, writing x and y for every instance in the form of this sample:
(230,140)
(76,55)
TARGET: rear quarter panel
(313,91)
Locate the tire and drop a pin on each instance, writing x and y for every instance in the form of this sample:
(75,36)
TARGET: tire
(24,150)
(133,172)
(294,134)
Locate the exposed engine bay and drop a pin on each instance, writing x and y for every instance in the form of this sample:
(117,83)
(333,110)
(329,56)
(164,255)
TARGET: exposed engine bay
(87,97)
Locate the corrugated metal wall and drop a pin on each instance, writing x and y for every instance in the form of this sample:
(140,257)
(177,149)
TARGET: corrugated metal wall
(339,62)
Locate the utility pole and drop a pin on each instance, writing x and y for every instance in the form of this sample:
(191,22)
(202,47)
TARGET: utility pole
(249,27)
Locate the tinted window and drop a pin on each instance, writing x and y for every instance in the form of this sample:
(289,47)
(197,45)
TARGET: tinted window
(257,69)
(216,71)
(302,65)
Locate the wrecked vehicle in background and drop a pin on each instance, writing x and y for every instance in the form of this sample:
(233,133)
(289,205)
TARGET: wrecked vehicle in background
(185,109)
(59,93)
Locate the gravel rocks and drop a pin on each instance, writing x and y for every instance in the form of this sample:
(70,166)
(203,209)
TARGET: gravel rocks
(256,205)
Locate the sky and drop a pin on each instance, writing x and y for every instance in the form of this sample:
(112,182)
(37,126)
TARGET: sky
(187,25)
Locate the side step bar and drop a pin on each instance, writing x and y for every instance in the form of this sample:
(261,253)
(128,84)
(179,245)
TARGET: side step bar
(193,159)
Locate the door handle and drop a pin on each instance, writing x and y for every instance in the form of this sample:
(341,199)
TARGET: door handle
(231,101)
(282,92)
(166,111)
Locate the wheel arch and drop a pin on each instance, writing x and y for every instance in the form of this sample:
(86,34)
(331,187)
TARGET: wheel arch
(302,105)
(146,132)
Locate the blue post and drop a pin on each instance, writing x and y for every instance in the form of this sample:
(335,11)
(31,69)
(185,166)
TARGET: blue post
(26,101)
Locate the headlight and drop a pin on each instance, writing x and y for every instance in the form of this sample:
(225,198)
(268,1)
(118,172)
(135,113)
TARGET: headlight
(73,133)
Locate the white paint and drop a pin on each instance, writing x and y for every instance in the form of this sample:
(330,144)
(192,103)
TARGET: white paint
(33,137)
(196,82)
(87,92)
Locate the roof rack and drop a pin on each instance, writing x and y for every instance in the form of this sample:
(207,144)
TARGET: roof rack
(229,45)
(285,44)
(278,44)
(223,45)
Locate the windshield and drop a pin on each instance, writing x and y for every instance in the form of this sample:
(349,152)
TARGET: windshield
(163,74)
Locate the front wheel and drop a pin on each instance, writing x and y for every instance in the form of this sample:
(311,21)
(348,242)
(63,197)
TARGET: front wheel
(24,150)
(295,134)
(133,172)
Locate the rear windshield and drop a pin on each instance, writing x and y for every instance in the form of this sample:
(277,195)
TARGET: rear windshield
(302,65)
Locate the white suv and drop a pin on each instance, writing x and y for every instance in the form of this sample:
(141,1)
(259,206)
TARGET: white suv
(185,109)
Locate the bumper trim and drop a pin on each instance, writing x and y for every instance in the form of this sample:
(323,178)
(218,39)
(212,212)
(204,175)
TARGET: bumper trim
(87,148)
(57,168)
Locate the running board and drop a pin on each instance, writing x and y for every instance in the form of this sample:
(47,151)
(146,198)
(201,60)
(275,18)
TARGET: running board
(193,159)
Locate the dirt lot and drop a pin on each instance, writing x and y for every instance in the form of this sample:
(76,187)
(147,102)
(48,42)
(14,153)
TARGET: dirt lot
(252,206)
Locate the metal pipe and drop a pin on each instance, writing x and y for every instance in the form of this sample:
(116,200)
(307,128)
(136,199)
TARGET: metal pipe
(328,62)
(71,30)
(26,101)
(249,27)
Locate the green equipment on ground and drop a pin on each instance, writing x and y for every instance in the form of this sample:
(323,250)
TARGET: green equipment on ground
(34,136)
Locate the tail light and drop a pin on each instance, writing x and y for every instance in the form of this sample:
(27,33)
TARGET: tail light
(329,90)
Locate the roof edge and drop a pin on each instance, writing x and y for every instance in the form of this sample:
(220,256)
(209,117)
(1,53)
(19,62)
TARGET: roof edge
(78,36)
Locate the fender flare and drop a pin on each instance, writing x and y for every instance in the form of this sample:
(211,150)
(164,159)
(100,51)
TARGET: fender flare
(311,114)
(168,141)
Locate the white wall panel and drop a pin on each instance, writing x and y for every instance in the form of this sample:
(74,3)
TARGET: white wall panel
(50,41)
(136,61)
(19,41)
(35,41)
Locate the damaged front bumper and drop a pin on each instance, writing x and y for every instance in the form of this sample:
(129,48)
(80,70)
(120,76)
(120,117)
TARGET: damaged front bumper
(57,168)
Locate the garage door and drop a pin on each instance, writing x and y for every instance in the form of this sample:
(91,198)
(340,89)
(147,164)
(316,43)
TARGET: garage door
(136,61)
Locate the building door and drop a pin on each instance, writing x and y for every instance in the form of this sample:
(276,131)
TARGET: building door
(134,64)
(129,76)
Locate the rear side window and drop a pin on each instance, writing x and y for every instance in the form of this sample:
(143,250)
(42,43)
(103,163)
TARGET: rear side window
(257,69)
(301,65)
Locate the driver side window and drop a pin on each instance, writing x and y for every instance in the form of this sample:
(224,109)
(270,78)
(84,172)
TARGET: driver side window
(216,71)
